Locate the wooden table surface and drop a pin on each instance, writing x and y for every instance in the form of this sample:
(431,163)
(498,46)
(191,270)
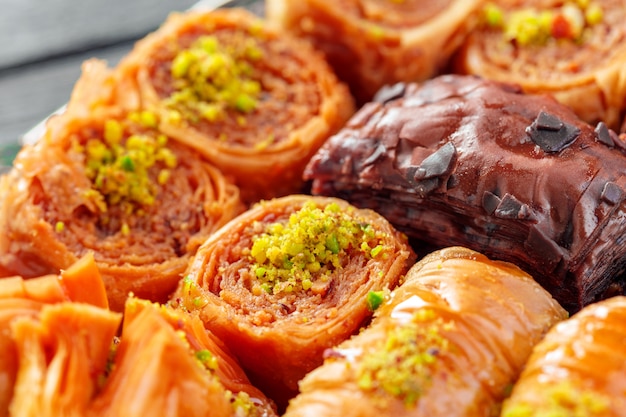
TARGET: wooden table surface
(44,42)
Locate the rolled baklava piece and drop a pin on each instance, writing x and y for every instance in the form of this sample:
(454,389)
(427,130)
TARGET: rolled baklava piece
(460,160)
(289,278)
(573,50)
(111,183)
(167,363)
(449,341)
(254,101)
(373,43)
(579,369)
(80,283)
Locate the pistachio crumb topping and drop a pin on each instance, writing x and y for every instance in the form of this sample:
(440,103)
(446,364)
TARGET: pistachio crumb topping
(562,400)
(403,366)
(375,299)
(265,143)
(193,295)
(376,31)
(59,227)
(294,255)
(211,78)
(206,359)
(110,363)
(242,403)
(531,26)
(119,164)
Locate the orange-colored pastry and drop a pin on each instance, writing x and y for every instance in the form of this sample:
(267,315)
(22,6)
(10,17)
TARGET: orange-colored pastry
(578,369)
(168,364)
(107,181)
(163,364)
(25,298)
(448,342)
(372,43)
(61,354)
(253,100)
(574,50)
(289,278)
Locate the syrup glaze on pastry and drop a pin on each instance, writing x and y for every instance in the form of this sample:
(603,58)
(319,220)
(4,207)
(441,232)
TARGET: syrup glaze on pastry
(287,279)
(579,368)
(447,342)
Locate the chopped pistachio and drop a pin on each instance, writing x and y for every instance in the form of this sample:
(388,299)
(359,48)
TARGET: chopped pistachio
(59,227)
(119,163)
(245,103)
(562,399)
(402,366)
(148,119)
(594,14)
(493,15)
(193,295)
(291,255)
(535,27)
(211,78)
(375,299)
(265,143)
(376,250)
(207,359)
(113,131)
(127,163)
(242,404)
(164,176)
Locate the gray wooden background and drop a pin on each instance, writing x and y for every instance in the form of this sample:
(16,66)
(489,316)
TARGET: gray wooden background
(44,42)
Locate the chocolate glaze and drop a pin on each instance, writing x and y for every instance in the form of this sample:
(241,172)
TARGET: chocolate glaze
(458,160)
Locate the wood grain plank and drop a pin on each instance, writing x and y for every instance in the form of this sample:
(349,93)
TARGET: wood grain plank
(30,92)
(32,30)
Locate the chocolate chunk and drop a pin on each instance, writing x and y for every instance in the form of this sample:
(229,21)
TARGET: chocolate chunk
(549,251)
(379,152)
(542,132)
(426,186)
(390,92)
(611,193)
(618,140)
(546,121)
(603,135)
(511,208)
(437,164)
(490,202)
(453,181)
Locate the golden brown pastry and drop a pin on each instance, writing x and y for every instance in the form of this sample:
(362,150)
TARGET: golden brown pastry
(578,369)
(61,354)
(61,357)
(371,43)
(162,365)
(106,180)
(166,363)
(253,100)
(448,342)
(574,50)
(287,279)
(81,282)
